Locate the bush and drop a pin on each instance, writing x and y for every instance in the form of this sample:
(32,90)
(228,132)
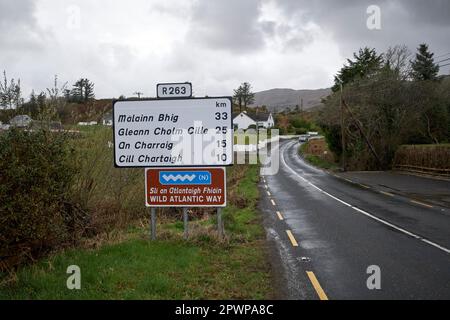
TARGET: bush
(113,197)
(301,131)
(36,212)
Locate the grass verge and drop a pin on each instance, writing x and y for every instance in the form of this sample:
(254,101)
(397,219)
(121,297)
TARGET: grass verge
(133,267)
(316,160)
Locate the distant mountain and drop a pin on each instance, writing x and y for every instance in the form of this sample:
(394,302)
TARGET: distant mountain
(280,99)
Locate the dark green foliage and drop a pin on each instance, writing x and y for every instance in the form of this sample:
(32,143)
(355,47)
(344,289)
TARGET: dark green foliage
(391,112)
(243,96)
(366,63)
(390,101)
(332,135)
(36,172)
(83,91)
(301,123)
(423,67)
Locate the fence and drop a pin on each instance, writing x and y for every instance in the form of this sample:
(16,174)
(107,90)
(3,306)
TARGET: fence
(431,159)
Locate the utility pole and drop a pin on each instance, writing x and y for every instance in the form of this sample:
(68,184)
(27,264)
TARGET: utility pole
(343,143)
(153,224)
(185,220)
(371,147)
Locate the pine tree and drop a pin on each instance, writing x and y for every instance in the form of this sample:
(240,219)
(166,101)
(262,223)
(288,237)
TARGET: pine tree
(365,64)
(244,96)
(423,67)
(83,90)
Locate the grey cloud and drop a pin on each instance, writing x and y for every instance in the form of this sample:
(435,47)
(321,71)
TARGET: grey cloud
(227,25)
(407,22)
(436,12)
(18,25)
(226,41)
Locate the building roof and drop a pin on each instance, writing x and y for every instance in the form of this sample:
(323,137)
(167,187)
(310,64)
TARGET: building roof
(257,117)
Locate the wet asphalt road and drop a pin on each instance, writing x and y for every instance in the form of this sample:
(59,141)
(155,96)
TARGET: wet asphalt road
(342,229)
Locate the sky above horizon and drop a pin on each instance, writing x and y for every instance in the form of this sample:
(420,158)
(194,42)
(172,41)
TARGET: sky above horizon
(129,46)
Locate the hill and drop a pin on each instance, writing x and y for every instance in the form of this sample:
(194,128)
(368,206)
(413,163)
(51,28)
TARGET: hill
(280,99)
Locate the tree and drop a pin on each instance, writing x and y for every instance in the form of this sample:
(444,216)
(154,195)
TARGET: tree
(55,101)
(10,93)
(34,105)
(396,60)
(83,90)
(244,96)
(365,63)
(423,67)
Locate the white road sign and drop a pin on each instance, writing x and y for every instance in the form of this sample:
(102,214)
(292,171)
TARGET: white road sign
(174,90)
(173,133)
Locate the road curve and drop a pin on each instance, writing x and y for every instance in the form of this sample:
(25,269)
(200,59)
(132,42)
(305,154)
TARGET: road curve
(327,233)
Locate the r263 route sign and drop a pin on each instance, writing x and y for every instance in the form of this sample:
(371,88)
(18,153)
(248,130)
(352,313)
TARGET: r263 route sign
(173,132)
(174,90)
(186,187)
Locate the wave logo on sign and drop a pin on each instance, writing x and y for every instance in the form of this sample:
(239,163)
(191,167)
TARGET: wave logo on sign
(184,177)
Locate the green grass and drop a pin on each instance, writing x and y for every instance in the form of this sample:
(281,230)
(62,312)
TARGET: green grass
(315,160)
(136,268)
(319,162)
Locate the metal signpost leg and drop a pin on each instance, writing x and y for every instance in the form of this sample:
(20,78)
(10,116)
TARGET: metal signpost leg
(153,224)
(185,218)
(219,222)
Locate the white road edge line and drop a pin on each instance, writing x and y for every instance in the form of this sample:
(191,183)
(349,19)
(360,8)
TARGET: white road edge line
(446,250)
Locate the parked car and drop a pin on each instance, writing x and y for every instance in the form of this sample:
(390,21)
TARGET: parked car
(21,121)
(303,138)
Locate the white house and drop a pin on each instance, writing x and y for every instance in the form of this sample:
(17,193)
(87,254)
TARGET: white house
(244,120)
(107,120)
(90,123)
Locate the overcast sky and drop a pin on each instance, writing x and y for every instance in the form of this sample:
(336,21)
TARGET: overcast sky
(127,46)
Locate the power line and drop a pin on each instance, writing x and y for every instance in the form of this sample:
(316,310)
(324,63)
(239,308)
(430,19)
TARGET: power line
(444,65)
(442,55)
(443,60)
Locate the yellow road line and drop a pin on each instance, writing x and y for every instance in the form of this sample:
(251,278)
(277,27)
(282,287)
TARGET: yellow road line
(279,215)
(387,193)
(421,203)
(348,180)
(273,202)
(316,285)
(364,186)
(291,237)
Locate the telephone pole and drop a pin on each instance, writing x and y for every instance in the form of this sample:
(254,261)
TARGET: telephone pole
(343,142)
(138,93)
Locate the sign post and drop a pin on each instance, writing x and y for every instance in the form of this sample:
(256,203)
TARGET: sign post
(185,220)
(153,224)
(183,142)
(219,223)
